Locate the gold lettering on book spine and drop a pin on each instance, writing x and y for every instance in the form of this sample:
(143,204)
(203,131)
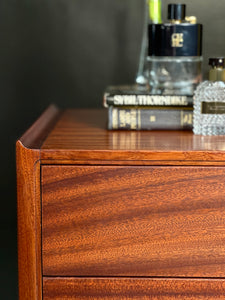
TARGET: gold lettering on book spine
(139,119)
(133,119)
(128,119)
(186,118)
(122,118)
(114,119)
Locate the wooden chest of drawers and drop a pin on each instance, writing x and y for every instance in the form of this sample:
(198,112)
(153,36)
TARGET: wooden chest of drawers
(119,215)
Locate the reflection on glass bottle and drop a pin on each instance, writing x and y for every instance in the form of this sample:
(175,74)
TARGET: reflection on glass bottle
(174,54)
(209,101)
(152,14)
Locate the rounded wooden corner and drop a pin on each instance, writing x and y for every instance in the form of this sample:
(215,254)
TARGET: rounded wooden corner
(33,138)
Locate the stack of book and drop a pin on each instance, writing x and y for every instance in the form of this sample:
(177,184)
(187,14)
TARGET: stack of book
(130,108)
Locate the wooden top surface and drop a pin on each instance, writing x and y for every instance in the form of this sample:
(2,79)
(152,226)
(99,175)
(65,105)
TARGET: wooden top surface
(82,134)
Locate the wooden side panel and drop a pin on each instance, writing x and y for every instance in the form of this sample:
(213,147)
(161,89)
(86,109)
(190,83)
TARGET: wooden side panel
(29,224)
(28,205)
(133,221)
(132,288)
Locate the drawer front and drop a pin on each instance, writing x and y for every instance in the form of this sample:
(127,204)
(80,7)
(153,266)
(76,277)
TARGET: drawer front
(132,288)
(133,221)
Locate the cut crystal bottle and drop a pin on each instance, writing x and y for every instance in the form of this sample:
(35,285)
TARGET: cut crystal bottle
(209,101)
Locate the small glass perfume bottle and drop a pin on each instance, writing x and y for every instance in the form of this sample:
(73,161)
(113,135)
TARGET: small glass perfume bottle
(175,54)
(209,101)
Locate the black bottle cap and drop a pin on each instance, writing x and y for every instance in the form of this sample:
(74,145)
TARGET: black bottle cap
(217,62)
(176,11)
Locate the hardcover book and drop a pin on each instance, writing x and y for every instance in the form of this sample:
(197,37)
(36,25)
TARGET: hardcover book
(131,95)
(145,118)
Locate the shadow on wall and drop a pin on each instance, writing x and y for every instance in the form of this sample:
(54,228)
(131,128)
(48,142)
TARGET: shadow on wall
(55,51)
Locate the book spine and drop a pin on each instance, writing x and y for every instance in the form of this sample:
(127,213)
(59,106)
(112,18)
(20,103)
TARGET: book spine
(146,100)
(121,118)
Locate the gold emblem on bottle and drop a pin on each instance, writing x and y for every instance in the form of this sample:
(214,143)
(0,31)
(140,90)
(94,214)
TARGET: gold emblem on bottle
(177,40)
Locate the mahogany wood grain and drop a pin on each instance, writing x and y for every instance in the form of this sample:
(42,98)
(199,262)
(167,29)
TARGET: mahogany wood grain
(81,134)
(131,162)
(39,130)
(133,221)
(125,204)
(28,206)
(28,216)
(132,288)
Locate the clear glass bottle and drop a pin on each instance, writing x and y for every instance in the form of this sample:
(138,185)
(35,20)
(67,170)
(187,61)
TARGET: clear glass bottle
(174,75)
(209,101)
(174,58)
(151,15)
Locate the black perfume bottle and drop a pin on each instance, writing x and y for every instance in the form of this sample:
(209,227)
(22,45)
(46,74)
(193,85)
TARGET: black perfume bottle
(175,53)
